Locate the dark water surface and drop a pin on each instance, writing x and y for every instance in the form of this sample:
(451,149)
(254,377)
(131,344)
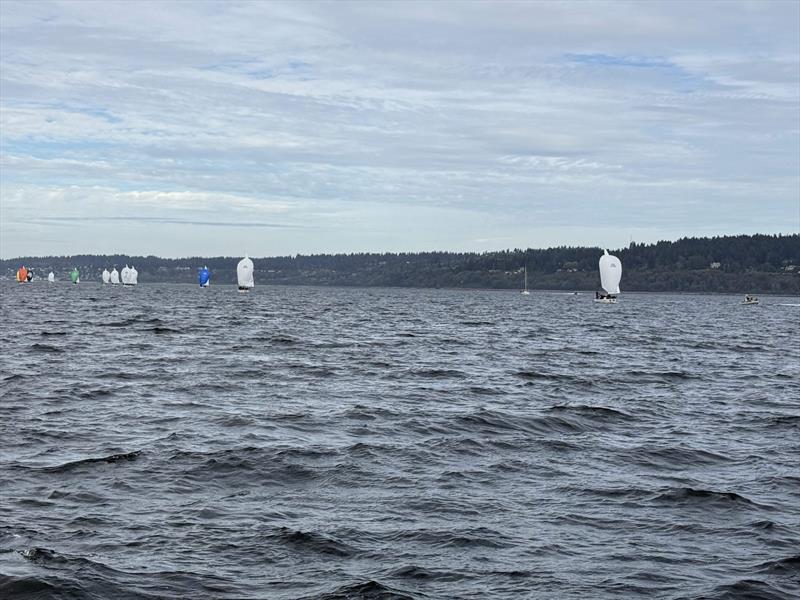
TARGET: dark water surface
(173,442)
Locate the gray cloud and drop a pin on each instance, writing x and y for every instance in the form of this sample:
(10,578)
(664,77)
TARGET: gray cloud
(533,123)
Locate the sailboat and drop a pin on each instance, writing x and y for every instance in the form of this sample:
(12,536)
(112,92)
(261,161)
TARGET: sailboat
(525,291)
(204,277)
(244,274)
(106,276)
(114,277)
(51,277)
(22,275)
(125,275)
(133,276)
(74,276)
(750,300)
(610,275)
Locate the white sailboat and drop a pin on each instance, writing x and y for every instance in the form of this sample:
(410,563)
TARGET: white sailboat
(244,274)
(610,275)
(51,277)
(125,275)
(750,300)
(114,277)
(106,276)
(525,291)
(133,276)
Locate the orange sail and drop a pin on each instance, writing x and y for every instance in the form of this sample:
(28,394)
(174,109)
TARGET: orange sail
(22,275)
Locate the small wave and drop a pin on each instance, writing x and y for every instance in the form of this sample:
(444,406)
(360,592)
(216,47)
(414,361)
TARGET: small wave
(687,495)
(52,333)
(314,542)
(47,348)
(368,590)
(439,373)
(162,330)
(113,458)
(601,413)
(781,566)
(746,589)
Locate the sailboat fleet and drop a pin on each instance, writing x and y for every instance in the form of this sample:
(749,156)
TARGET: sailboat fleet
(610,268)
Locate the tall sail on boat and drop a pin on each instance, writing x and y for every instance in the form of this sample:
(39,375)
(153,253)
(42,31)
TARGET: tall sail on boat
(204,277)
(51,277)
(133,276)
(525,291)
(22,275)
(610,275)
(74,276)
(125,275)
(114,277)
(106,276)
(244,274)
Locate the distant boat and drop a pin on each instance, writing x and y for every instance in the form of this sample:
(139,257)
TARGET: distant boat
(610,275)
(29,276)
(125,275)
(244,274)
(204,277)
(74,276)
(51,277)
(750,300)
(106,276)
(133,276)
(22,275)
(114,277)
(525,291)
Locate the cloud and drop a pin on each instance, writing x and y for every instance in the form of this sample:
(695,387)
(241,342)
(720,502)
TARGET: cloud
(351,118)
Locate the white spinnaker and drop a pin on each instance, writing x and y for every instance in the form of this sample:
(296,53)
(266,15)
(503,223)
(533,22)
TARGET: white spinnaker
(51,277)
(114,277)
(133,276)
(125,275)
(106,276)
(244,273)
(610,272)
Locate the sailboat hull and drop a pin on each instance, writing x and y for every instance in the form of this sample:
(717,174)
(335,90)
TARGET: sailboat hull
(606,300)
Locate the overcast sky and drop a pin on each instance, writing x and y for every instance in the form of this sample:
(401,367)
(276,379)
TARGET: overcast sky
(204,128)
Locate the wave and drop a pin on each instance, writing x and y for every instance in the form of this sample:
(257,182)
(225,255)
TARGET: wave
(310,541)
(367,590)
(698,497)
(111,459)
(46,348)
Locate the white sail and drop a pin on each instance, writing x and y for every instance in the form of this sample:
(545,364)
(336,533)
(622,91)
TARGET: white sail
(114,277)
(106,276)
(51,277)
(244,273)
(610,272)
(133,276)
(125,275)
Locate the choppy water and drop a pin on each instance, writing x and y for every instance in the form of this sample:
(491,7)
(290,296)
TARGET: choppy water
(173,442)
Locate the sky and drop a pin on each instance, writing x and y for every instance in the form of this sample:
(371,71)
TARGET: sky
(223,128)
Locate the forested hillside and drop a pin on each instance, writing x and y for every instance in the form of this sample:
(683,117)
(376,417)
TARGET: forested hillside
(752,263)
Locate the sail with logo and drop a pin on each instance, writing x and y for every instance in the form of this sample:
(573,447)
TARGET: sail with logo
(244,274)
(610,275)
(204,277)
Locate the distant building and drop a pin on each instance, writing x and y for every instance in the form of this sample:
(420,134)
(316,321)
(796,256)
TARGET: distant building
(714,265)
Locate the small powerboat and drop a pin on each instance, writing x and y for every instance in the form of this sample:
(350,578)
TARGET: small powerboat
(750,300)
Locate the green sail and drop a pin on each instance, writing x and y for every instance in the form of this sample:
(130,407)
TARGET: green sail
(75,276)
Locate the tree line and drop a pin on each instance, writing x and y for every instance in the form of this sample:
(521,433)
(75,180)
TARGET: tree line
(753,263)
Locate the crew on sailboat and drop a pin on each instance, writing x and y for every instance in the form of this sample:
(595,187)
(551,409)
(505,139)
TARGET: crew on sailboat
(244,274)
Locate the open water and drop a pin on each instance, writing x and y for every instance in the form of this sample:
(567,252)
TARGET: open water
(174,442)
